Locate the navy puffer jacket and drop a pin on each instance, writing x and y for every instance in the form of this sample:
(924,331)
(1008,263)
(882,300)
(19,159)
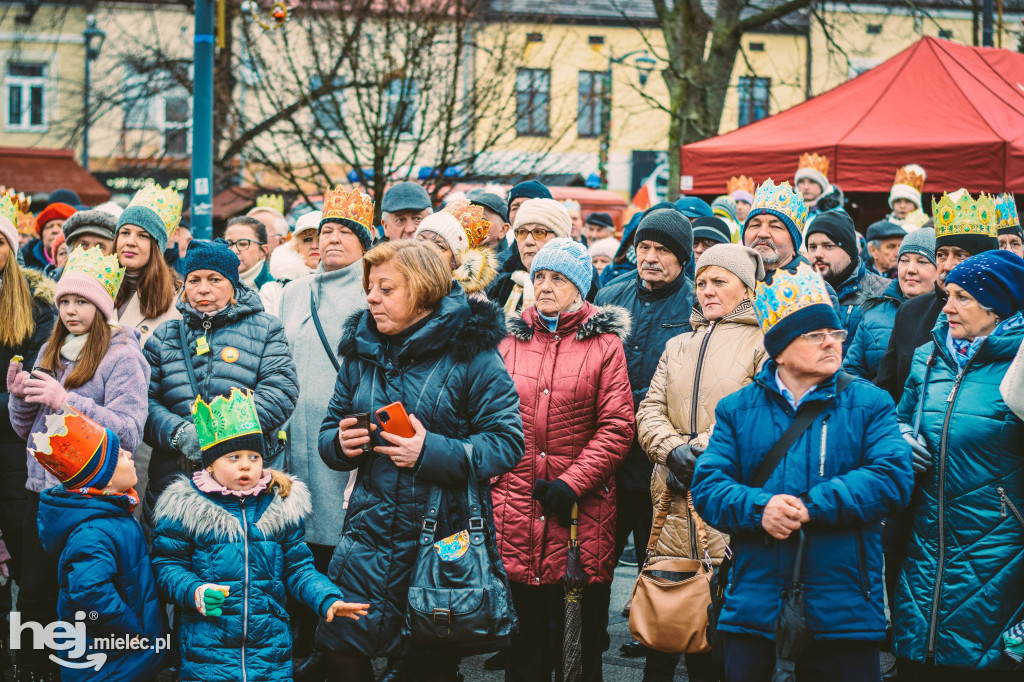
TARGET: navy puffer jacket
(248,349)
(872,337)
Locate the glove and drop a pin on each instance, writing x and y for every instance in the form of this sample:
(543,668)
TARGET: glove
(45,390)
(209,598)
(922,458)
(556,499)
(186,441)
(16,378)
(681,462)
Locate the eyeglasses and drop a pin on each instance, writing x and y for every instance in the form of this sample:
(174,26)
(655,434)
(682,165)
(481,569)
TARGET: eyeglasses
(538,233)
(243,244)
(818,337)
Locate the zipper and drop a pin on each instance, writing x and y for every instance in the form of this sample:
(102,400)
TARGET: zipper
(207,329)
(245,587)
(862,565)
(824,442)
(1007,504)
(696,378)
(941,496)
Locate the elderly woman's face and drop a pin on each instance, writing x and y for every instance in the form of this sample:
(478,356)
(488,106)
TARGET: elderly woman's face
(719,292)
(390,300)
(208,290)
(437,240)
(554,292)
(967,319)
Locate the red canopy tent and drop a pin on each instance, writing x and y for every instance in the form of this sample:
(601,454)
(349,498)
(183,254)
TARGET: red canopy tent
(958,111)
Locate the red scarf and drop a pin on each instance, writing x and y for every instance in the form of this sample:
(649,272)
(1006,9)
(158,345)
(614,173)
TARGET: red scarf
(133,497)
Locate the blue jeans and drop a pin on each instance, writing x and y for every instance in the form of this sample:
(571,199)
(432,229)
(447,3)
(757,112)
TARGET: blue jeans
(749,658)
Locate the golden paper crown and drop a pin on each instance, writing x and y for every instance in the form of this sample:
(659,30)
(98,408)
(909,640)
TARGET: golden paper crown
(73,447)
(788,293)
(225,418)
(815,162)
(274,202)
(165,202)
(105,269)
(9,208)
(471,217)
(780,200)
(348,204)
(911,176)
(741,183)
(1006,212)
(964,216)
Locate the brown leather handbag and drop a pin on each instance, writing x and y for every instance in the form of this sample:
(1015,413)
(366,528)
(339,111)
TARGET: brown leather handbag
(669,610)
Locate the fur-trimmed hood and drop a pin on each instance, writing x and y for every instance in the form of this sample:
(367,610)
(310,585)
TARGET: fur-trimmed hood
(42,287)
(589,320)
(287,264)
(199,514)
(479,268)
(460,326)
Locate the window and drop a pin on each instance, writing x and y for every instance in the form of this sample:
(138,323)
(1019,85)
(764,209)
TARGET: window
(595,40)
(533,99)
(757,47)
(26,96)
(535,37)
(328,109)
(874,29)
(155,100)
(754,93)
(401,97)
(590,115)
(945,34)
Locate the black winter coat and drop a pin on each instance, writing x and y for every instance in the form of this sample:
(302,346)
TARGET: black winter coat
(248,350)
(657,315)
(911,330)
(447,373)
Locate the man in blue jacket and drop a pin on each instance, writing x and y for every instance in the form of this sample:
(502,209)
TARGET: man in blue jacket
(845,473)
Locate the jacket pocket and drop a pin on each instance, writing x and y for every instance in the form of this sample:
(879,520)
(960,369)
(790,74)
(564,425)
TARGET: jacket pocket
(862,566)
(1007,506)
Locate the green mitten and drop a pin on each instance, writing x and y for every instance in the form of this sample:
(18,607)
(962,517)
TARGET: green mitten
(209,598)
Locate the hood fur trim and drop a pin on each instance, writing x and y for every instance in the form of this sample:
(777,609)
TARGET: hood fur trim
(198,515)
(608,319)
(43,288)
(479,268)
(286,263)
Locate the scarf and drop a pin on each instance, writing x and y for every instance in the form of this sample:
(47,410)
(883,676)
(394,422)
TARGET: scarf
(523,290)
(962,350)
(130,494)
(250,275)
(73,346)
(206,483)
(130,284)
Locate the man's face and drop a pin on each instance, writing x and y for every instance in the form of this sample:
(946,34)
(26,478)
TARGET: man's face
(809,189)
(87,241)
(827,257)
(1012,242)
(700,246)
(768,235)
(499,228)
(742,209)
(403,224)
(901,208)
(885,253)
(813,360)
(596,232)
(916,274)
(274,239)
(657,265)
(513,208)
(50,231)
(577,225)
(243,241)
(947,258)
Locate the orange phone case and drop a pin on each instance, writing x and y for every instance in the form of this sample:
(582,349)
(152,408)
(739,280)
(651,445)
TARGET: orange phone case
(396,420)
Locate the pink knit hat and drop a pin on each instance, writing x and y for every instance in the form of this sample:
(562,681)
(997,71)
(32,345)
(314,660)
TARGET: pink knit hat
(89,288)
(94,277)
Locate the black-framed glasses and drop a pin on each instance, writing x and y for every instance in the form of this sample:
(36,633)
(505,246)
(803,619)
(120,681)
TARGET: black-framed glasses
(538,233)
(243,244)
(818,337)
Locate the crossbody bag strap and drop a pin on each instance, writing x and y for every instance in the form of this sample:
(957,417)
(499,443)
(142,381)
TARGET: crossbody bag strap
(320,331)
(660,516)
(187,355)
(924,392)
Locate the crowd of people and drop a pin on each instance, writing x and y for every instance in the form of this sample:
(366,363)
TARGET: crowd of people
(331,450)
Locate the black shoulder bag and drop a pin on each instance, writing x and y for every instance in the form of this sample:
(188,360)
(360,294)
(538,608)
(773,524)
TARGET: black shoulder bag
(320,331)
(771,461)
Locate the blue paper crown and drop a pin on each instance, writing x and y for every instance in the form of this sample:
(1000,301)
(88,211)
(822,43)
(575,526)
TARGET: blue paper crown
(788,293)
(781,200)
(1006,212)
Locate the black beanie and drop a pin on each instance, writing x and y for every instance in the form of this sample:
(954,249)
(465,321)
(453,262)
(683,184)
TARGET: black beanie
(671,229)
(531,189)
(837,226)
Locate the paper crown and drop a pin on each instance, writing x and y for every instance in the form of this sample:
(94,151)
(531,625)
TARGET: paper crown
(73,448)
(789,292)
(964,216)
(105,269)
(163,201)
(471,217)
(224,419)
(741,183)
(9,208)
(348,204)
(911,175)
(815,162)
(274,202)
(1006,212)
(781,198)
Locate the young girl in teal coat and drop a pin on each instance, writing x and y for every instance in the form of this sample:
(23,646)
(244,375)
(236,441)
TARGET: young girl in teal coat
(230,548)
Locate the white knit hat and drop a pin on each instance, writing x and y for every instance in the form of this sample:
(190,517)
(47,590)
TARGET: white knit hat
(908,192)
(604,247)
(546,212)
(308,221)
(449,229)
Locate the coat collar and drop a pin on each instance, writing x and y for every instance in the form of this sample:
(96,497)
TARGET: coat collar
(247,302)
(742,314)
(765,378)
(587,322)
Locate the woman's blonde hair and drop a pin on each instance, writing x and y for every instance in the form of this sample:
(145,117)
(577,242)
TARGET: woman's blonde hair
(15,305)
(421,265)
(96,347)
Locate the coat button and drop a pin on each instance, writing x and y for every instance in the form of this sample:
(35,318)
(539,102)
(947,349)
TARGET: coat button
(647,304)
(542,455)
(546,391)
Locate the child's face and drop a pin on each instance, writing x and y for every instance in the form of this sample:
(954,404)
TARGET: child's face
(124,478)
(239,470)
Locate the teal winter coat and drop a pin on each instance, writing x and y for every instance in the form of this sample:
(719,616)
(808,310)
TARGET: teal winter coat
(962,582)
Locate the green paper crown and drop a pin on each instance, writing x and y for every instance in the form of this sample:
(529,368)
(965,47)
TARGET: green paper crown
(225,418)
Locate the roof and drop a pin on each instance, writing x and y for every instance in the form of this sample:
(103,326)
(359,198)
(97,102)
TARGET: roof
(956,110)
(44,170)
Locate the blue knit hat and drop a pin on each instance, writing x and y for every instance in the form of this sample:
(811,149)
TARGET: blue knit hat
(994,278)
(567,257)
(215,255)
(531,189)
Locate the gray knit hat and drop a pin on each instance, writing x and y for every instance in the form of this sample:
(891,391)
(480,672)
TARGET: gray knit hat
(671,229)
(740,260)
(921,242)
(567,257)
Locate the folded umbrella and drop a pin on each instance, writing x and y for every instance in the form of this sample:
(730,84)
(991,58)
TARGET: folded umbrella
(792,634)
(574,580)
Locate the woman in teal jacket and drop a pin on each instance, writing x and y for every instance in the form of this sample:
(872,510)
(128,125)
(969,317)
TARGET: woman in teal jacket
(962,582)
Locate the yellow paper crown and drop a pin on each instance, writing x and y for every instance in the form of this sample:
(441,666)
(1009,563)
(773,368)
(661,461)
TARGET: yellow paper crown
(105,269)
(1006,212)
(471,217)
(163,201)
(814,161)
(741,183)
(348,204)
(274,202)
(964,216)
(788,293)
(911,176)
(9,208)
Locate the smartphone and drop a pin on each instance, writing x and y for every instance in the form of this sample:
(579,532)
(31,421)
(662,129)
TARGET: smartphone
(394,419)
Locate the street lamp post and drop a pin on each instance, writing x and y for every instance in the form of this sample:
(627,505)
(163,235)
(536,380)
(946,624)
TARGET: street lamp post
(644,66)
(93,38)
(201,184)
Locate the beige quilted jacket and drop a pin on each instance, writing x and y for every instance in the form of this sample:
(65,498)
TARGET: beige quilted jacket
(697,369)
